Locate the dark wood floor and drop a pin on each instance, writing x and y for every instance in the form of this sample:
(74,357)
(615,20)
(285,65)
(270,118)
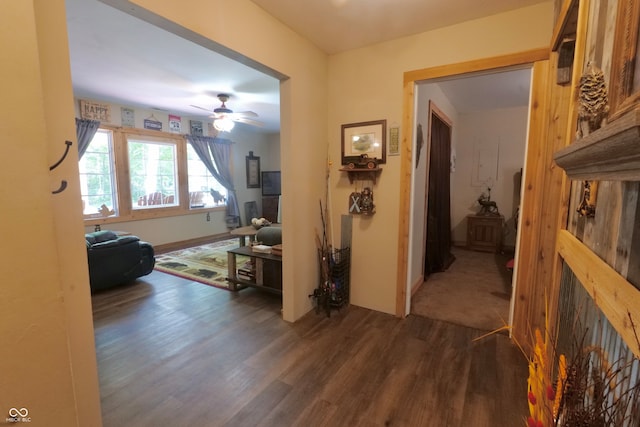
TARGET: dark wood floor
(172,352)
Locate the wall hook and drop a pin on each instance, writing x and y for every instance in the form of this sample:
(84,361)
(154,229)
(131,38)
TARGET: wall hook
(66,151)
(63,183)
(63,186)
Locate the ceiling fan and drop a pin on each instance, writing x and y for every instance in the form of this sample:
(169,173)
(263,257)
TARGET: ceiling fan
(224,117)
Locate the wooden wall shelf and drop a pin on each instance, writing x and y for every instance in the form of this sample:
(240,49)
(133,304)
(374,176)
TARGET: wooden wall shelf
(612,153)
(362,174)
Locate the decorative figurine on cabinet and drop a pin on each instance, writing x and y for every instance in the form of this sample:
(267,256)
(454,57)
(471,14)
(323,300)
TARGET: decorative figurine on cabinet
(487,206)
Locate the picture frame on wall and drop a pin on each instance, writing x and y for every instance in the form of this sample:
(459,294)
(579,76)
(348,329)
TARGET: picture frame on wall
(394,141)
(253,170)
(624,91)
(196,127)
(369,138)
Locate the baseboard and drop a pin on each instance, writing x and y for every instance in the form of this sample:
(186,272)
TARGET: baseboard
(174,246)
(416,285)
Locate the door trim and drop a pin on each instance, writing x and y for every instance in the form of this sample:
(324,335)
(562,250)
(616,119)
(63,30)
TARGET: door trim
(411,78)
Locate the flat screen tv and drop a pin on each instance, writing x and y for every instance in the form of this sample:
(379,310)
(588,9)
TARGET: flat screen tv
(271,183)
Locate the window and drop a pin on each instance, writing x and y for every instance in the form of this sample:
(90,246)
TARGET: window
(134,174)
(97,183)
(153,173)
(204,190)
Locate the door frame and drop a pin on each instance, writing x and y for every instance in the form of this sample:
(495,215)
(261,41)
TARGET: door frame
(411,78)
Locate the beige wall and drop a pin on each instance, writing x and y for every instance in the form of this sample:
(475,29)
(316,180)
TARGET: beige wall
(246,29)
(48,361)
(366,84)
(355,93)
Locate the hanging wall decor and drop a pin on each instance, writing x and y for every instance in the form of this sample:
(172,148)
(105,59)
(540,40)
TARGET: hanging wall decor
(253,171)
(394,141)
(419,144)
(95,111)
(361,202)
(625,66)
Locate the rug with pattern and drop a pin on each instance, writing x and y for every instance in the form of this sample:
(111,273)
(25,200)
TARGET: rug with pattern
(205,263)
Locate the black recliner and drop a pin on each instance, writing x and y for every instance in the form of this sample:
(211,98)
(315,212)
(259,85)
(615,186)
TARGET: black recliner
(115,260)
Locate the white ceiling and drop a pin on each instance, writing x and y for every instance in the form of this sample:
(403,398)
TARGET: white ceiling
(119,58)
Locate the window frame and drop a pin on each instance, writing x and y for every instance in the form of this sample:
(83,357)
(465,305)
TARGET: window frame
(122,178)
(114,183)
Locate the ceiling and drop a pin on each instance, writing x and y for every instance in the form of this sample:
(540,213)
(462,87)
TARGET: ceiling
(119,58)
(339,25)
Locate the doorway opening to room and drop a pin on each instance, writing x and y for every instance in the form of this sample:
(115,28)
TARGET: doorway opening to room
(476,142)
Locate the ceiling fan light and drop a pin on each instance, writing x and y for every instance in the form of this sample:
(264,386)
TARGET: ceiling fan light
(224,124)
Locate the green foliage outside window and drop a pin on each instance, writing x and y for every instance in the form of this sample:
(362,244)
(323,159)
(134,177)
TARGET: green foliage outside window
(96,175)
(153,173)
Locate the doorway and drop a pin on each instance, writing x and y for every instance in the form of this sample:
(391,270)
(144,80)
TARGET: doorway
(430,85)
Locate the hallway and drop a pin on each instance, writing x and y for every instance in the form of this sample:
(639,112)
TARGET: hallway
(474,291)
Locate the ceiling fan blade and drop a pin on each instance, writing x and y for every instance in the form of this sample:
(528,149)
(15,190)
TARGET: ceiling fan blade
(246,114)
(202,108)
(248,121)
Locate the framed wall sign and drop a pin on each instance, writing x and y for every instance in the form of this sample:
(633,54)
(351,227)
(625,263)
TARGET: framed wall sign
(625,62)
(95,111)
(196,127)
(253,171)
(128,117)
(368,138)
(394,141)
(175,123)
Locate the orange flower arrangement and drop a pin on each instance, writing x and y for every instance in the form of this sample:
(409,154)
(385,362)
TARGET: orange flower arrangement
(586,391)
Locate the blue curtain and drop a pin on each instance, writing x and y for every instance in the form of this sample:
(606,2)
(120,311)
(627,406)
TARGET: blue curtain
(215,153)
(85,131)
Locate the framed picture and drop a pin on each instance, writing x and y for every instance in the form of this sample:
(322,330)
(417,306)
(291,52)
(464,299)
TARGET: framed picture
(253,171)
(368,138)
(394,141)
(625,64)
(196,127)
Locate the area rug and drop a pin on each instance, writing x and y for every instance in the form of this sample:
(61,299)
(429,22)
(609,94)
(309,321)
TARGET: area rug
(205,264)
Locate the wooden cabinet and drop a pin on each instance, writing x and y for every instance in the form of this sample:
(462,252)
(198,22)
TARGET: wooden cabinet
(484,232)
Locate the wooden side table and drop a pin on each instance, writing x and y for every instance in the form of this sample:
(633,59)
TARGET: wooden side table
(484,232)
(243,232)
(268,279)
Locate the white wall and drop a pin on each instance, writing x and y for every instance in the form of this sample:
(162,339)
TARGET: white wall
(506,128)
